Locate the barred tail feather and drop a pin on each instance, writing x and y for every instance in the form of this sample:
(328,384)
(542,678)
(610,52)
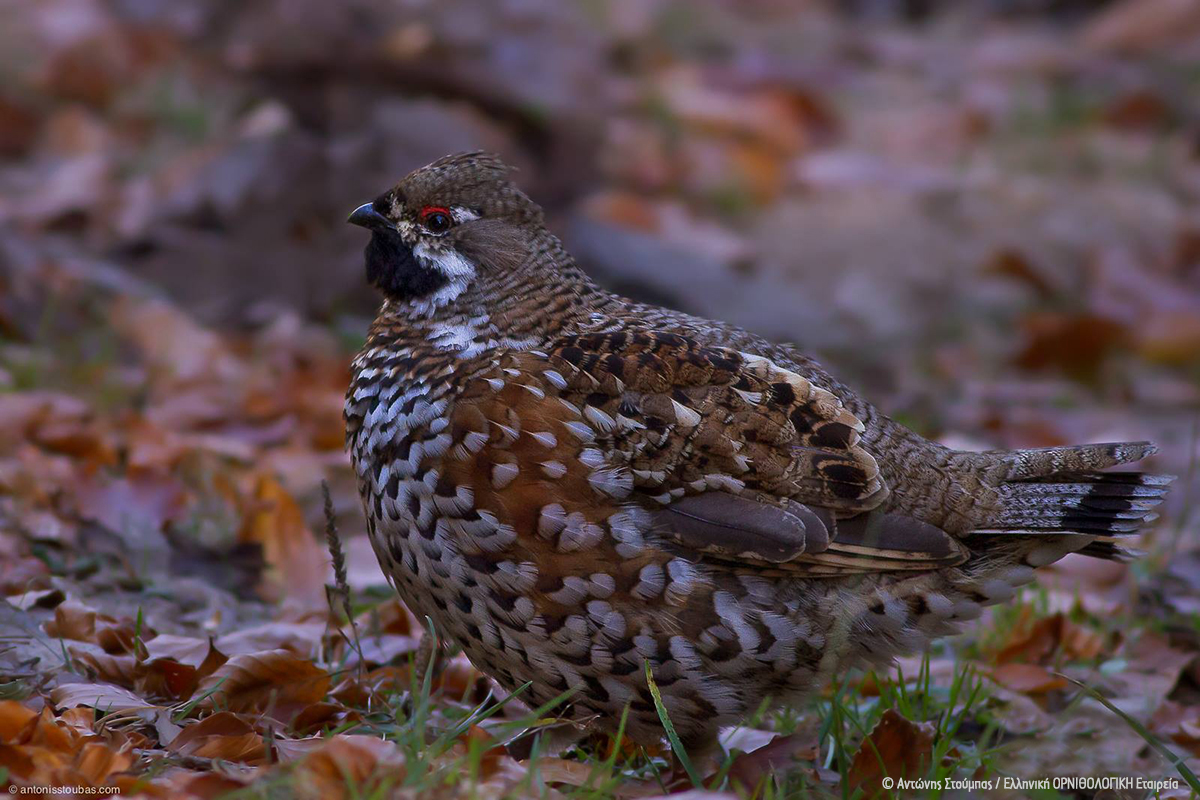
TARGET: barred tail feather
(1061,490)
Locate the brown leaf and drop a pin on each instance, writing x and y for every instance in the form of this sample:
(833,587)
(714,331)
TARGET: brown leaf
(206,785)
(81,720)
(1171,337)
(85,441)
(1074,343)
(47,598)
(97,762)
(14,717)
(77,621)
(298,565)
(1027,678)
(895,748)
(750,770)
(184,649)
(459,677)
(379,683)
(223,735)
(101,696)
(492,752)
(1011,263)
(44,731)
(320,716)
(23,413)
(1140,109)
(573,773)
(18,127)
(166,677)
(121,670)
(1038,643)
(389,617)
(172,344)
(372,766)
(258,681)
(123,637)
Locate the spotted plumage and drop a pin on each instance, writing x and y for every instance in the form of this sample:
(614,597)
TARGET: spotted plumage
(572,485)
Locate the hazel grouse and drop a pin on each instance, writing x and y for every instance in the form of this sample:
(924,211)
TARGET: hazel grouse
(572,485)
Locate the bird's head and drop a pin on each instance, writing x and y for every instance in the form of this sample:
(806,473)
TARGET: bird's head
(445,227)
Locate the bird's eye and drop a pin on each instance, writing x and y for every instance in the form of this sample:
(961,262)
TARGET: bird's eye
(436,219)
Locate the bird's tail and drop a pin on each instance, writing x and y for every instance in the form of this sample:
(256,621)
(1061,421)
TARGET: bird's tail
(1062,490)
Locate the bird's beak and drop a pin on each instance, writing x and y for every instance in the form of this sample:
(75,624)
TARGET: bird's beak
(366,216)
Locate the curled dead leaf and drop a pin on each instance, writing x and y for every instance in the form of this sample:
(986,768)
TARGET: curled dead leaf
(223,735)
(77,621)
(271,679)
(47,751)
(750,770)
(895,748)
(371,766)
(100,696)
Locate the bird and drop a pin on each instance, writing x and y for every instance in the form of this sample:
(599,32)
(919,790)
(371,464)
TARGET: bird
(591,495)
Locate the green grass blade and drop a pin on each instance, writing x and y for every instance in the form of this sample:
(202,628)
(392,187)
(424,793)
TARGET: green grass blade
(1184,771)
(672,736)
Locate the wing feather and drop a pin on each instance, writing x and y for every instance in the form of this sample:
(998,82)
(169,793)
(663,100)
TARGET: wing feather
(737,460)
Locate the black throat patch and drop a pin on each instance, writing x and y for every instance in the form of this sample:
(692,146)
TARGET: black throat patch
(392,267)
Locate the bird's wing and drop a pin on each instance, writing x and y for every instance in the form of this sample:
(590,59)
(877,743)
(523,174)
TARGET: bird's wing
(734,458)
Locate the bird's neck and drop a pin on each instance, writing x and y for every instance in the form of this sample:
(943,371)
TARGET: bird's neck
(523,309)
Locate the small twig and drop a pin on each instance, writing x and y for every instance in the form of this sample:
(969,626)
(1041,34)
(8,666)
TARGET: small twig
(339,570)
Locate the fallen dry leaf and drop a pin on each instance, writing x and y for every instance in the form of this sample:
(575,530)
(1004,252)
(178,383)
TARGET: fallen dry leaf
(77,621)
(1076,344)
(1038,643)
(895,748)
(121,670)
(201,654)
(573,773)
(749,770)
(298,567)
(100,696)
(223,735)
(1027,678)
(371,766)
(47,598)
(172,343)
(205,785)
(274,679)
(14,717)
(47,752)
